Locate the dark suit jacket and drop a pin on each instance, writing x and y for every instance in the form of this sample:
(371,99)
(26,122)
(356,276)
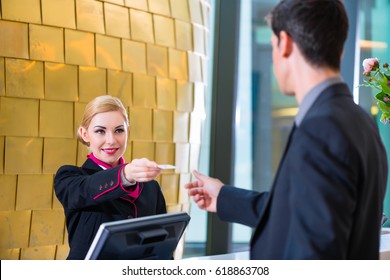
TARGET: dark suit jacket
(91,196)
(326,199)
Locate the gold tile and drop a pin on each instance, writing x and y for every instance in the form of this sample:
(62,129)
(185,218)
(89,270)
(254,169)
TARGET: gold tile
(21,10)
(24,78)
(204,64)
(195,11)
(194,156)
(59,13)
(207,45)
(166,94)
(65,240)
(2,148)
(141,24)
(13,39)
(92,83)
(162,125)
(2,75)
(186,207)
(23,155)
(141,124)
(118,2)
(206,15)
(62,252)
(58,152)
(164,31)
(143,150)
(199,39)
(56,203)
(180,9)
(108,52)
(134,56)
(178,67)
(157,60)
(165,153)
(158,179)
(181,127)
(61,82)
(79,48)
(159,7)
(182,157)
(144,91)
(90,16)
(194,66)
(14,229)
(117,20)
(170,187)
(7,192)
(10,254)
(38,253)
(46,43)
(183,35)
(173,207)
(185,96)
(18,116)
(138,4)
(120,85)
(34,192)
(82,152)
(78,114)
(195,128)
(183,193)
(49,123)
(127,155)
(47,227)
(199,98)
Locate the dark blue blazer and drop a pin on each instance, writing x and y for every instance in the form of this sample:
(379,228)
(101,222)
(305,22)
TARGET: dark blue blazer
(92,196)
(326,199)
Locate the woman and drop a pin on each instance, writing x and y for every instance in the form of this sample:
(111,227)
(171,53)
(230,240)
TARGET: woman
(105,188)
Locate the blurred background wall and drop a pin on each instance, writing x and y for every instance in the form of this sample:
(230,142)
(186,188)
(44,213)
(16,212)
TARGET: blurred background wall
(57,55)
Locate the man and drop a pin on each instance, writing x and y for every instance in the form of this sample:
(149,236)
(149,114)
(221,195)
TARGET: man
(326,200)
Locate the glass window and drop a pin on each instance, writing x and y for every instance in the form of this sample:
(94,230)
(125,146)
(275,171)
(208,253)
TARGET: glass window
(264,116)
(375,42)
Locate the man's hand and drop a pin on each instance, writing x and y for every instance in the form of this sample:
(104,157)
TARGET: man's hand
(204,191)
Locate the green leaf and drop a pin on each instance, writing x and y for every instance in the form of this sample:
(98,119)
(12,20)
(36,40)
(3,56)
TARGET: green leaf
(383,80)
(384,107)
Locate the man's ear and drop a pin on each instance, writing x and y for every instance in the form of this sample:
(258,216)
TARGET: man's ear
(285,43)
(84,134)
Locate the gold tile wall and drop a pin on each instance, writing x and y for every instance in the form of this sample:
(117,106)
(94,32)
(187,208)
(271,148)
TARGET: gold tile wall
(34,192)
(57,55)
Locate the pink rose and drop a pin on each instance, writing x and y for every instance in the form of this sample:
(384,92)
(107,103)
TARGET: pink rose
(370,64)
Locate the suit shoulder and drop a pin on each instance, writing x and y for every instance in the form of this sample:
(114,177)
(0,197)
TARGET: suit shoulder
(68,169)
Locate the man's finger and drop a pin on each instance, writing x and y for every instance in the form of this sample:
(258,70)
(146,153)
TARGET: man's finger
(200,176)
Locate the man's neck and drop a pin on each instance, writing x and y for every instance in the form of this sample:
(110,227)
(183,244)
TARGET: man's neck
(310,78)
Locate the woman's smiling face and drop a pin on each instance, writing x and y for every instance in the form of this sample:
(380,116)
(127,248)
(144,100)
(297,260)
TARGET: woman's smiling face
(107,136)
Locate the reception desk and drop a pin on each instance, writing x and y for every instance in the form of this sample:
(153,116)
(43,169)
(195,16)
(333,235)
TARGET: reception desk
(384,250)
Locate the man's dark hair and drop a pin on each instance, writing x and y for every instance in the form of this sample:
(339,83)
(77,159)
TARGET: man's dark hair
(318,27)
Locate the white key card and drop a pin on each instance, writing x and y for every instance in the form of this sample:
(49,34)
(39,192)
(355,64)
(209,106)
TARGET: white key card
(166,166)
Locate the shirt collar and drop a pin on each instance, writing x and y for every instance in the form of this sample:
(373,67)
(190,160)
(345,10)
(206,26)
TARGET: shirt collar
(312,96)
(102,164)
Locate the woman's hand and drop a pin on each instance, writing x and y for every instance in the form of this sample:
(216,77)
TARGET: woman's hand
(141,170)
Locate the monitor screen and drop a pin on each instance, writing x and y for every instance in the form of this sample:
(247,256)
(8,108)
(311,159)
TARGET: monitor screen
(152,237)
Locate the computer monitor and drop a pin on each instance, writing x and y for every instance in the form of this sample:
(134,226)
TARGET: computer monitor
(152,237)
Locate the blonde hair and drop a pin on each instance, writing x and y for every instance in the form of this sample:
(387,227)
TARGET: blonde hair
(101,104)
